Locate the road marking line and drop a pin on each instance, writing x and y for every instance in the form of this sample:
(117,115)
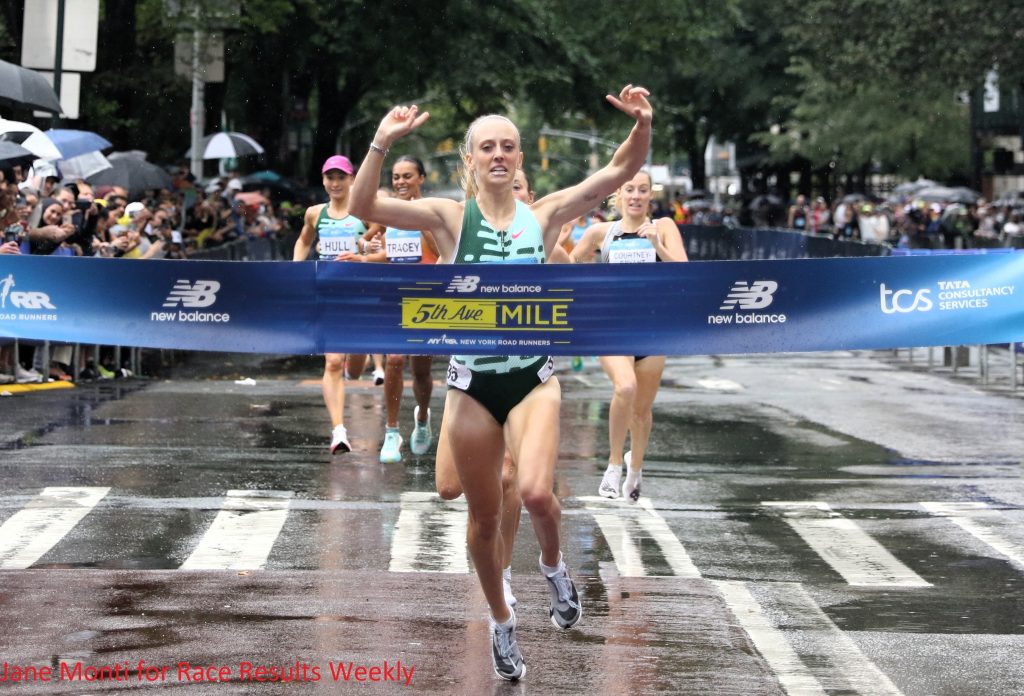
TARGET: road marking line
(673,549)
(981,522)
(831,655)
(430,535)
(791,672)
(35,529)
(243,532)
(842,544)
(624,544)
(716,384)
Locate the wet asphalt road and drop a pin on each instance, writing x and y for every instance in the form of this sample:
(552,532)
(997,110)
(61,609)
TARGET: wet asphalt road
(811,524)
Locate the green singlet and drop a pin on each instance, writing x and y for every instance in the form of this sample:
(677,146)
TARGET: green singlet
(479,242)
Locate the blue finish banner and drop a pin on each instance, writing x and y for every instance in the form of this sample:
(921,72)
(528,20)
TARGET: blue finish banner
(718,307)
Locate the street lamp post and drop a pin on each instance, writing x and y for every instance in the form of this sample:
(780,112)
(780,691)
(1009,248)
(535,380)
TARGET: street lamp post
(197,114)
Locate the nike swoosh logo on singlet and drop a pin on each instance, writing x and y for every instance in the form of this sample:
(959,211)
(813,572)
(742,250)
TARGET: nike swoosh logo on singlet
(515,235)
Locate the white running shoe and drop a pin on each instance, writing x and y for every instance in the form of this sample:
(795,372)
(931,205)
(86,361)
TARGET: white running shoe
(566,608)
(631,486)
(419,441)
(378,377)
(506,585)
(391,451)
(339,440)
(609,487)
(505,655)
(23,376)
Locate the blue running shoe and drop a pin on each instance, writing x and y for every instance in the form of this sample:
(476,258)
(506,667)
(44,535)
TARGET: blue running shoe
(391,453)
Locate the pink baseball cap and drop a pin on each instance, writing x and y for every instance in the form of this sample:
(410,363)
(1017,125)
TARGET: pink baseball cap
(337,162)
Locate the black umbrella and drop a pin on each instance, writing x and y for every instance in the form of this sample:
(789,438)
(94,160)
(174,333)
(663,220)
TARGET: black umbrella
(698,204)
(768,200)
(946,194)
(133,173)
(854,198)
(12,154)
(26,87)
(962,194)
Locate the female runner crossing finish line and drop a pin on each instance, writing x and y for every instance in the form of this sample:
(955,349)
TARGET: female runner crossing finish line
(499,400)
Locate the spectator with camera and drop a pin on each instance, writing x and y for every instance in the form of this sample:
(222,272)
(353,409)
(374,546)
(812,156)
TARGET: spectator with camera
(9,220)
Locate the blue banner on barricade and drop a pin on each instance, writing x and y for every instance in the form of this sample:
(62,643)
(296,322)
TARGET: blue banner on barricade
(710,243)
(202,305)
(633,309)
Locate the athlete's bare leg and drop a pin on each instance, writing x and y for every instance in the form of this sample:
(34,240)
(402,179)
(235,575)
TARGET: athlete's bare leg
(532,433)
(648,379)
(477,447)
(620,412)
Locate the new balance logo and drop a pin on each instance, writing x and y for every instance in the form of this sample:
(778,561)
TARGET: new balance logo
(202,293)
(463,283)
(756,295)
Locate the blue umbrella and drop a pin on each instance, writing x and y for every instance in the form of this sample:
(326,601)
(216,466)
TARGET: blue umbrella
(72,143)
(265,175)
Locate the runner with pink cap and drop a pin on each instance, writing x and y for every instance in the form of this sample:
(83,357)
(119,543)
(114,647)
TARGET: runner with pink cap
(336,234)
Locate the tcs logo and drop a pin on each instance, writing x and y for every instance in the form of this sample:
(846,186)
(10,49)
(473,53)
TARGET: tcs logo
(904,301)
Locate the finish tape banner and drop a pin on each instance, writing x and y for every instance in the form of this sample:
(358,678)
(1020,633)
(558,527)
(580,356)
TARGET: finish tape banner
(700,308)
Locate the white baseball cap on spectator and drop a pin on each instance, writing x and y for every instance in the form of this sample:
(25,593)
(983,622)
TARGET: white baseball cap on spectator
(235,185)
(214,186)
(133,209)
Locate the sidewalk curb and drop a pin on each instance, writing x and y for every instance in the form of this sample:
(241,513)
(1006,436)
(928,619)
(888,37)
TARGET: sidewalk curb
(12,389)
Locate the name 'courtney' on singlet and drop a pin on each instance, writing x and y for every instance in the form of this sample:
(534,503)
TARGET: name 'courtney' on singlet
(479,242)
(338,234)
(626,247)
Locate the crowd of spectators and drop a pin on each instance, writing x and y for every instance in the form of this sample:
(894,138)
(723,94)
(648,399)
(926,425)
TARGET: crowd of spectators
(43,214)
(961,221)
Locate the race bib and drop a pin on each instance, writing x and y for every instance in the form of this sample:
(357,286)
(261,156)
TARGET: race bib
(459,376)
(545,372)
(403,246)
(337,236)
(631,251)
(335,244)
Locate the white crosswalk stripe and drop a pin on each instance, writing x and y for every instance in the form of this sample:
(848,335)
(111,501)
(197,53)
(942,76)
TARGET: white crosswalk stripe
(43,522)
(841,543)
(791,672)
(983,523)
(430,535)
(812,655)
(243,533)
(625,525)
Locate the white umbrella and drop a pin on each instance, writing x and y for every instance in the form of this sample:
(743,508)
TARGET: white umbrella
(29,137)
(84,165)
(223,145)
